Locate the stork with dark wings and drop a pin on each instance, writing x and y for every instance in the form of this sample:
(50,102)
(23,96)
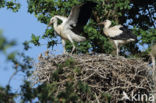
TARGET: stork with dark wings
(72,26)
(118,33)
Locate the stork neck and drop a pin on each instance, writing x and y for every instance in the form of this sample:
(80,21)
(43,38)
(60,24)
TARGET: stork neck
(55,24)
(106,26)
(105,30)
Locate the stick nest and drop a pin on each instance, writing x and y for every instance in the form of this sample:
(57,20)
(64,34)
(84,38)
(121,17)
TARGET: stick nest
(106,76)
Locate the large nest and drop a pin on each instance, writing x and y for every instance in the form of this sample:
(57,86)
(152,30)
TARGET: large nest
(108,77)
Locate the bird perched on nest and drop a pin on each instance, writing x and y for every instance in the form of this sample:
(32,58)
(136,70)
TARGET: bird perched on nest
(119,34)
(153,55)
(72,26)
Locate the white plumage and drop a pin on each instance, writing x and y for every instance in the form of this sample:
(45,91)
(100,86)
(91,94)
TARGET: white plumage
(118,34)
(73,25)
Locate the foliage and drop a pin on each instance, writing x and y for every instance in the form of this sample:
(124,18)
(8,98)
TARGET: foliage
(12,5)
(6,96)
(5,44)
(35,40)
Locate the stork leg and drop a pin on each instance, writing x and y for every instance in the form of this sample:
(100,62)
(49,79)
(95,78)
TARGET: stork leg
(154,63)
(70,39)
(117,51)
(154,76)
(64,49)
(117,48)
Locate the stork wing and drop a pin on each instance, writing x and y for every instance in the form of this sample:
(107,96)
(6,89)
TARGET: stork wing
(126,34)
(113,31)
(79,16)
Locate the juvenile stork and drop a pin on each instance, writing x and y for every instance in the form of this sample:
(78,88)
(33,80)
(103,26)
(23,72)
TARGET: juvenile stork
(118,34)
(153,55)
(72,26)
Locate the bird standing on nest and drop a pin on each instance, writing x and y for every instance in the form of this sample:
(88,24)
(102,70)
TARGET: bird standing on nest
(118,34)
(72,26)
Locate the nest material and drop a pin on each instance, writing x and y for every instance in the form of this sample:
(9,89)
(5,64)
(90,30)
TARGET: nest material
(104,74)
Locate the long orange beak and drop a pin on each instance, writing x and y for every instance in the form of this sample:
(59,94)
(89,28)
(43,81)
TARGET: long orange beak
(50,23)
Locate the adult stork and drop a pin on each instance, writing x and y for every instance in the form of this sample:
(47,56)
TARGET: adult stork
(153,55)
(119,34)
(72,26)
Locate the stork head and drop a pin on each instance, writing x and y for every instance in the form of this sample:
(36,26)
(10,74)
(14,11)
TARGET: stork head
(52,20)
(106,23)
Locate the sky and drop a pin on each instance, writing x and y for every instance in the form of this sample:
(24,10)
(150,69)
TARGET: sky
(20,26)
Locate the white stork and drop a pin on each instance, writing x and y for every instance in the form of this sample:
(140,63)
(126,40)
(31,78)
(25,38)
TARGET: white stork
(72,26)
(118,34)
(153,55)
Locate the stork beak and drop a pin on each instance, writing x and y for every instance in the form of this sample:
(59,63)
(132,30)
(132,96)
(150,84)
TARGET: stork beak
(50,23)
(100,23)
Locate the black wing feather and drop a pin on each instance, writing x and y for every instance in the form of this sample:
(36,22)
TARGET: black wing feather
(125,35)
(84,15)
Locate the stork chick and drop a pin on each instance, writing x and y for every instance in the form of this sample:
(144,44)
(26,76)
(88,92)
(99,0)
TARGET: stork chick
(72,26)
(118,34)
